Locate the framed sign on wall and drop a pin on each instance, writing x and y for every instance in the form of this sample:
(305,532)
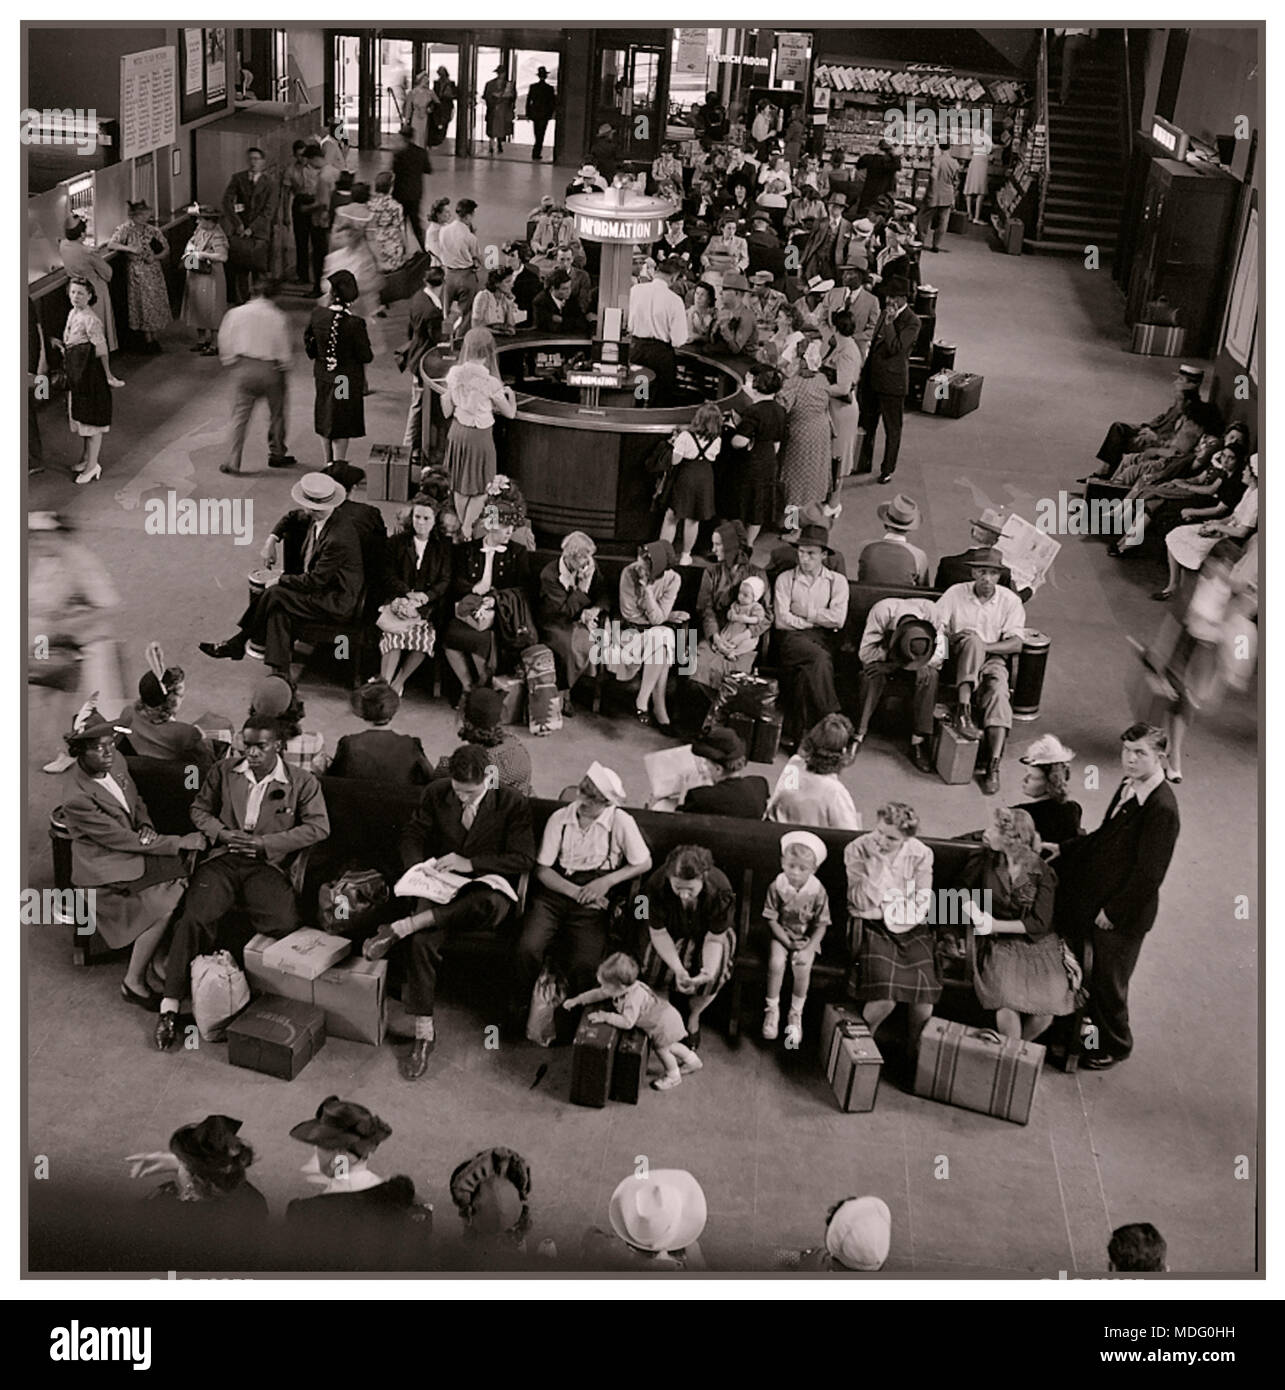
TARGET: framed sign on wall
(203,75)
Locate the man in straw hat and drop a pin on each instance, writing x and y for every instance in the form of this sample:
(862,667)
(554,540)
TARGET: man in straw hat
(885,378)
(328,589)
(893,560)
(811,604)
(589,847)
(902,634)
(984,624)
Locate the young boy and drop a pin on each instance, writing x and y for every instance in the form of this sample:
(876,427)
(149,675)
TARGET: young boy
(797,912)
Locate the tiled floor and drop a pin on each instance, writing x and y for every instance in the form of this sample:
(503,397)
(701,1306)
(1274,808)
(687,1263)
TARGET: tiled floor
(1155,1140)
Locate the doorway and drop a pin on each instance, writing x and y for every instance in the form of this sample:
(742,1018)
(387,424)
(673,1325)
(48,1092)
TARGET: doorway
(627,96)
(521,65)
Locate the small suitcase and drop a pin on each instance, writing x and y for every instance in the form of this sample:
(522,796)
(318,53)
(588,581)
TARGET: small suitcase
(978,1069)
(965,395)
(955,756)
(629,1069)
(937,392)
(850,1057)
(388,473)
(766,738)
(592,1058)
(1158,339)
(958,221)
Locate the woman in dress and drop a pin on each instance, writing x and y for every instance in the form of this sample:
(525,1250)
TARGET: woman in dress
(336,340)
(482,722)
(482,568)
(82,263)
(573,601)
(808,791)
(418,576)
(805,457)
(841,369)
(1025,972)
(422,99)
(386,231)
(783,348)
(472,395)
(890,882)
(648,591)
(977,180)
(205,298)
(760,428)
(89,377)
(494,307)
(692,500)
(154,730)
(149,301)
(1189,545)
(718,592)
(137,875)
(690,944)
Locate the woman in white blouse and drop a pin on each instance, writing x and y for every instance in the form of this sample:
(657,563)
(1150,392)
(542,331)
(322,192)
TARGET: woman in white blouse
(775,188)
(808,791)
(89,378)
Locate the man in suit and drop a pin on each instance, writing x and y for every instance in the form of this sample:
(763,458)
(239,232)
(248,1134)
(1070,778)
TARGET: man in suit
(328,586)
(863,306)
(764,246)
(256,813)
(826,250)
(411,165)
(581,284)
(733,794)
(902,634)
(556,310)
(541,103)
(958,569)
(1110,885)
(472,826)
(885,378)
(424,319)
(943,188)
(249,207)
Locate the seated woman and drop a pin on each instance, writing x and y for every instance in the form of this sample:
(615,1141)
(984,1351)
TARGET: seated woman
(573,601)
(137,875)
(701,315)
(1026,973)
(380,753)
(483,569)
(808,791)
(1189,545)
(481,711)
(589,848)
(690,947)
(719,590)
(417,576)
(206,1165)
(785,347)
(648,591)
(495,307)
(890,882)
(152,729)
(1208,493)
(275,698)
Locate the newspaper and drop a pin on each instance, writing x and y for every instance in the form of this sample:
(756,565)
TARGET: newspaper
(672,773)
(1028,552)
(426,880)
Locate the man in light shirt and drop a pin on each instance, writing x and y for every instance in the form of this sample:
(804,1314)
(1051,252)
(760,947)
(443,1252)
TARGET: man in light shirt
(811,603)
(902,634)
(984,624)
(254,344)
(658,325)
(462,259)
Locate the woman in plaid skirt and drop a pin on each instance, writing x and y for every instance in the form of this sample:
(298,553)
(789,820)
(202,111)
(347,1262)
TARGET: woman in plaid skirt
(890,876)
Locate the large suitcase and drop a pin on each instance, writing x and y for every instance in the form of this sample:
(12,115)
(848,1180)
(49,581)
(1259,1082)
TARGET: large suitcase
(978,1069)
(593,1055)
(851,1060)
(629,1067)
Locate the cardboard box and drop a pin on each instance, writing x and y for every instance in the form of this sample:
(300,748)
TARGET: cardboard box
(353,997)
(276,1036)
(954,755)
(306,953)
(978,1069)
(851,1060)
(266,979)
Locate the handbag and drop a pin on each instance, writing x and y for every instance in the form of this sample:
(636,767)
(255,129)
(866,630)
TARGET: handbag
(476,611)
(197,264)
(388,621)
(249,252)
(352,902)
(157,244)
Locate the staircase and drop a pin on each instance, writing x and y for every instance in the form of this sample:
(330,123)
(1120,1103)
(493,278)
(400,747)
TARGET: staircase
(1086,153)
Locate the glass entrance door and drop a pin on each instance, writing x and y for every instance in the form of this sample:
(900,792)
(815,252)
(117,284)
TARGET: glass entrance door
(445,55)
(627,97)
(346,78)
(485,62)
(395,70)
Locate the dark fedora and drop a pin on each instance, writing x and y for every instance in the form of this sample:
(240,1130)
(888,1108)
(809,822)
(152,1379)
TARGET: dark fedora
(986,558)
(913,642)
(815,535)
(344,1126)
(720,746)
(895,287)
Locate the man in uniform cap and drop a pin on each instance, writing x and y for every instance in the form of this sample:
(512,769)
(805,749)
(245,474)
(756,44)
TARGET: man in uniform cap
(1123,438)
(902,634)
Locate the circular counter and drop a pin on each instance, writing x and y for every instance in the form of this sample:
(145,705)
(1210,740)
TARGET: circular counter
(582,468)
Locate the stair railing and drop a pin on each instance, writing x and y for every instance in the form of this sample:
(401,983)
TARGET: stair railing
(1042,117)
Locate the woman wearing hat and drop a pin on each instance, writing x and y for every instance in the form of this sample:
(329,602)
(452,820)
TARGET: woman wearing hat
(276,699)
(357,1220)
(1047,782)
(501,97)
(90,378)
(153,730)
(806,454)
(336,340)
(422,100)
(379,753)
(205,299)
(730,792)
(1025,972)
(483,568)
(137,875)
(491,1192)
(756,444)
(657,1218)
(481,712)
(775,188)
(208,1163)
(83,263)
(417,576)
(149,301)
(590,848)
(574,599)
(690,945)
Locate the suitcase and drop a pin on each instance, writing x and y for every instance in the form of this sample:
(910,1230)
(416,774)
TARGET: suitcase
(276,1036)
(766,738)
(977,1069)
(1013,235)
(920,371)
(851,1060)
(954,756)
(1158,339)
(742,725)
(965,395)
(958,222)
(937,392)
(388,473)
(629,1069)
(406,279)
(592,1057)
